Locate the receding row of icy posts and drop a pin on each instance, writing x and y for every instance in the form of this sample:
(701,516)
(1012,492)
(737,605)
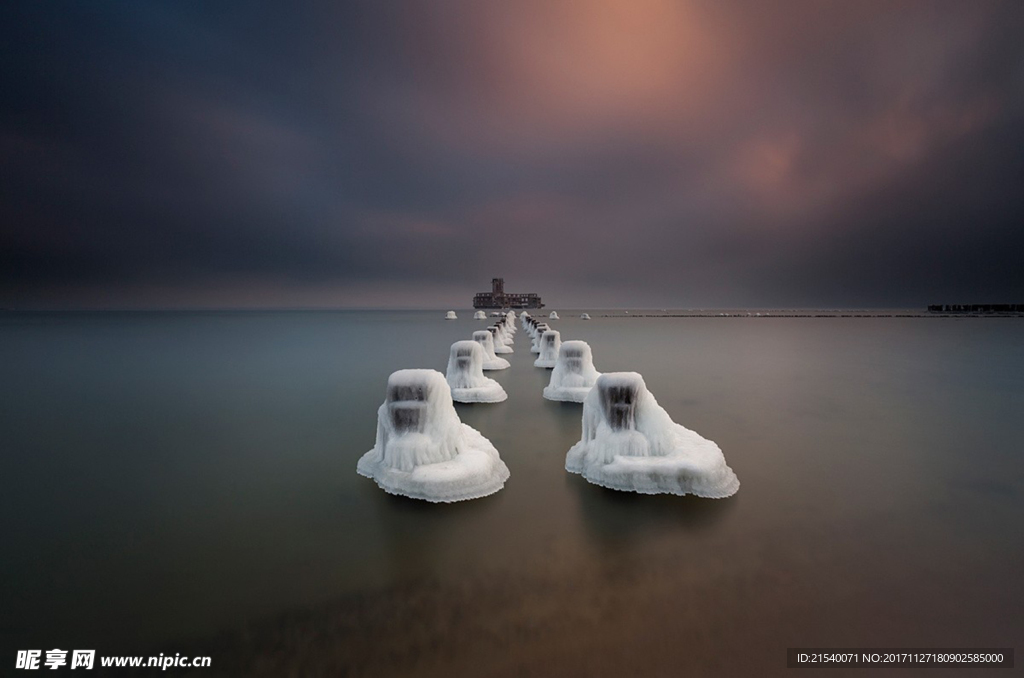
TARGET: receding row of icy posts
(572,363)
(536,330)
(423,450)
(480,315)
(502,332)
(497,338)
(628,442)
(491,360)
(468,360)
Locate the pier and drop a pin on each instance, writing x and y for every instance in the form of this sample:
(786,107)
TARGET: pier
(976,308)
(499,298)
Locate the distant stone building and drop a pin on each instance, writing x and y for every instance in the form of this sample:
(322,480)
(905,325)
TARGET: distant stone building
(499,298)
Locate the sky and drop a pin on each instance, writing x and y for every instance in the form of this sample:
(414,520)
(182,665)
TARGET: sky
(635,153)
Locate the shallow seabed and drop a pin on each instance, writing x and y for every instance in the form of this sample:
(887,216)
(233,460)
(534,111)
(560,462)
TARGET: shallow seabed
(185,482)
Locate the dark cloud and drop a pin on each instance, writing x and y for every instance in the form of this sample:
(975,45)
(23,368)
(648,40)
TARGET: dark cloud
(649,152)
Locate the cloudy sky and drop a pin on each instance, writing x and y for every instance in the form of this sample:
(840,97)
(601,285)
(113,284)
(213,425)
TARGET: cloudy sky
(642,153)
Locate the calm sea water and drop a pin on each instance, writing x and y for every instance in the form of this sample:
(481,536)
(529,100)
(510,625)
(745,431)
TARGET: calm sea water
(174,481)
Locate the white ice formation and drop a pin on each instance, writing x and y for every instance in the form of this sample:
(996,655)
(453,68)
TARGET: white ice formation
(509,326)
(549,343)
(450,315)
(538,332)
(423,450)
(585,316)
(574,374)
(508,331)
(491,361)
(479,315)
(465,376)
(630,443)
(553,315)
(499,340)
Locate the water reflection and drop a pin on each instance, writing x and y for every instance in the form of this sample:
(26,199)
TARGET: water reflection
(423,539)
(879,460)
(612,519)
(567,417)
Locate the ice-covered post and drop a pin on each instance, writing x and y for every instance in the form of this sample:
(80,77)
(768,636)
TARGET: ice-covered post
(549,345)
(466,378)
(423,450)
(574,374)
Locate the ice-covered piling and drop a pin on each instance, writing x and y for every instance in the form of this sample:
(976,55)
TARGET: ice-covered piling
(504,331)
(479,315)
(538,333)
(574,374)
(491,360)
(465,375)
(499,341)
(549,344)
(450,315)
(423,450)
(630,443)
